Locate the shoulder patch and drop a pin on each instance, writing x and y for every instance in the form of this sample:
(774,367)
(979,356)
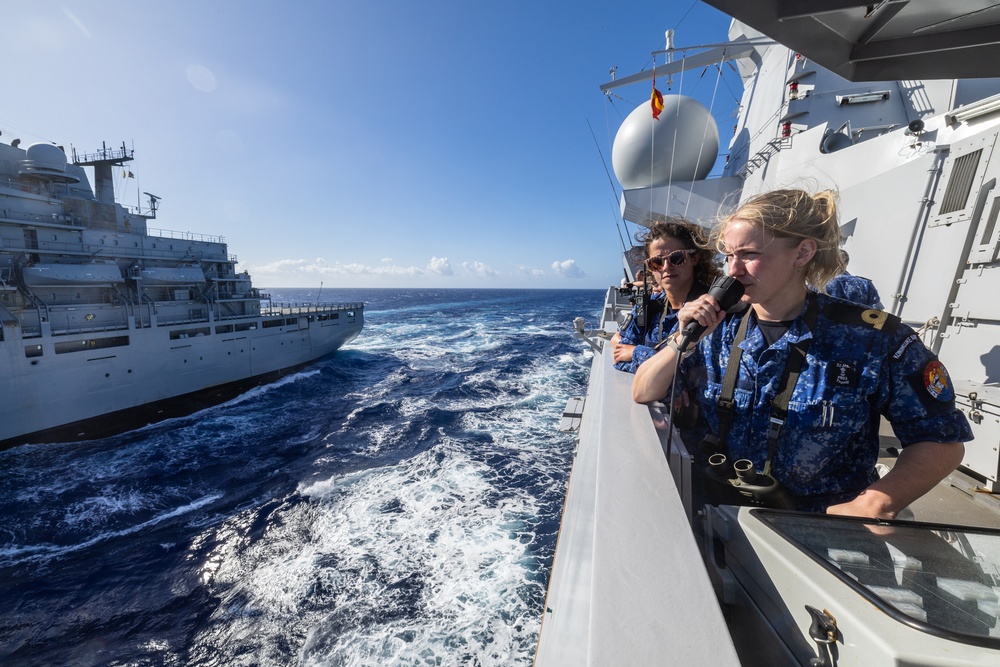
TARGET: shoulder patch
(846,313)
(937,383)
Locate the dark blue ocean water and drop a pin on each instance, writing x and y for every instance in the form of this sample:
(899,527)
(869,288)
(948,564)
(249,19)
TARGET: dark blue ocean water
(396,503)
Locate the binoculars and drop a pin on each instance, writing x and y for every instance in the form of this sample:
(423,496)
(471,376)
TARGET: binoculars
(740,483)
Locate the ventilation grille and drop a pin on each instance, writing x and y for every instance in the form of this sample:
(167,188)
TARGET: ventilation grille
(960,185)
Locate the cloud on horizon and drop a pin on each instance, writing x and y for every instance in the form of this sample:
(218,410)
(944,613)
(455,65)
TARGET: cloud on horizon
(479,269)
(436,267)
(568,269)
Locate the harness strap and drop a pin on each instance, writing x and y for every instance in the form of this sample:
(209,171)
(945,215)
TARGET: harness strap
(779,404)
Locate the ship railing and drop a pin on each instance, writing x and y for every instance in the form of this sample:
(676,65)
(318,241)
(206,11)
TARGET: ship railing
(103,155)
(184,236)
(309,309)
(77,329)
(165,320)
(31,189)
(43,218)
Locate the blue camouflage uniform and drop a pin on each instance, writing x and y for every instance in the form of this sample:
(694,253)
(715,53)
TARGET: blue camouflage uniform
(661,322)
(861,363)
(854,289)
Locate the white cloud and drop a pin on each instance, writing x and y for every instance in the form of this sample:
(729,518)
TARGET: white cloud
(568,269)
(529,272)
(320,267)
(479,269)
(440,266)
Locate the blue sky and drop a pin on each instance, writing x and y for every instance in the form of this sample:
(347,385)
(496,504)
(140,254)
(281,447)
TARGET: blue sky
(378,143)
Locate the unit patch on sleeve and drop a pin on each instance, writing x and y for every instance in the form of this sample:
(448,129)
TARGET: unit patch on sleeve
(937,383)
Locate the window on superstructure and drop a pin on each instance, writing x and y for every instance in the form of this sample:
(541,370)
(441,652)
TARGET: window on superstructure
(32,351)
(178,334)
(91,344)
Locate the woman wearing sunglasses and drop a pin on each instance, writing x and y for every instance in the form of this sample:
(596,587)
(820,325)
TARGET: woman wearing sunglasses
(678,262)
(842,366)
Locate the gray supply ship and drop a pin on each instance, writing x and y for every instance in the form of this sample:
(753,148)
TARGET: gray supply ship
(896,106)
(108,324)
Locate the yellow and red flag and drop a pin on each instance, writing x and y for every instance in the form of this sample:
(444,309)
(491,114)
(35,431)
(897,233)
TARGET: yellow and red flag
(656,101)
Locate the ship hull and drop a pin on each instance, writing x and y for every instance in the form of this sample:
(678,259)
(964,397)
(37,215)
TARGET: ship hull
(150,374)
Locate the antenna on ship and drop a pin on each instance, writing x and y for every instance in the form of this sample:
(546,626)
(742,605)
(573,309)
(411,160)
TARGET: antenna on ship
(153,203)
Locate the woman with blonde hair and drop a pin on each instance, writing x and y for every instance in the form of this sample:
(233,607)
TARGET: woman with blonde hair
(796,383)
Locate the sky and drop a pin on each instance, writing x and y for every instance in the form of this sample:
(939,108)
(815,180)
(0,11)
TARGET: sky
(372,143)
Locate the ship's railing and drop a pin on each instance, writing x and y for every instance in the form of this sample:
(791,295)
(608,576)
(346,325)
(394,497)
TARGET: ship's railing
(30,188)
(97,250)
(103,155)
(308,309)
(40,218)
(185,236)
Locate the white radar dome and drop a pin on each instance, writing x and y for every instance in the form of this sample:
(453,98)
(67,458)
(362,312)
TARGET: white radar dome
(47,162)
(47,157)
(681,146)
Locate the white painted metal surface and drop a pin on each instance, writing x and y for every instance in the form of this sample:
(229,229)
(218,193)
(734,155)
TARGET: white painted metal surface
(627,585)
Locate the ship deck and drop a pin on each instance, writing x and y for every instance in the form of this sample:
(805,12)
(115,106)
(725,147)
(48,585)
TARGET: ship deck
(959,499)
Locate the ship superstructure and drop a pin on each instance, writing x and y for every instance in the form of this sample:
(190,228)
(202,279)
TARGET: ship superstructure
(108,323)
(645,571)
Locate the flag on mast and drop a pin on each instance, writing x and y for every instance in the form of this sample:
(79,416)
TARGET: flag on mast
(656,100)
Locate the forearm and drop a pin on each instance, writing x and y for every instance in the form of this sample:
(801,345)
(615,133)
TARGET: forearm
(918,469)
(654,375)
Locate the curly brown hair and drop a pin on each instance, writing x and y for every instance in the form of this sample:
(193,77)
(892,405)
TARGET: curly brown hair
(693,236)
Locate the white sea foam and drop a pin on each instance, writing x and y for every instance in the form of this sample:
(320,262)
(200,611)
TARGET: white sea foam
(343,575)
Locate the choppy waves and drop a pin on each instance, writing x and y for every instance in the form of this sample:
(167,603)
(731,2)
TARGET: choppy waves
(396,504)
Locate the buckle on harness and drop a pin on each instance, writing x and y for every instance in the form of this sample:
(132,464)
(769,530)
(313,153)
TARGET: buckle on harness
(725,406)
(774,430)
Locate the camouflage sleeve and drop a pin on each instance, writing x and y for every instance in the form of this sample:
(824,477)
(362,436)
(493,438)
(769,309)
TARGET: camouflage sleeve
(630,333)
(921,397)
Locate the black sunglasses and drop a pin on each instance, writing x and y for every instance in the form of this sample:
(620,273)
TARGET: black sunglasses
(676,258)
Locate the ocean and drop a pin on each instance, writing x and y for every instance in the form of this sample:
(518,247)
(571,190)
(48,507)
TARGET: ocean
(395,503)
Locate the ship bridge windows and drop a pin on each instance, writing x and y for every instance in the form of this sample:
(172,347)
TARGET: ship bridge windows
(32,351)
(281,322)
(65,347)
(178,334)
